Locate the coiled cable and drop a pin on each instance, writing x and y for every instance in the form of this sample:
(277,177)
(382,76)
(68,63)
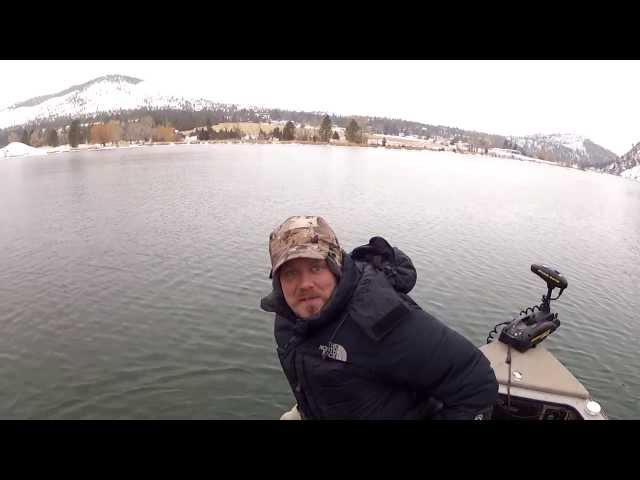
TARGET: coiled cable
(495,330)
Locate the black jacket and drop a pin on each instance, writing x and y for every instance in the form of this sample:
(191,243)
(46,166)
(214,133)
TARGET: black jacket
(373,353)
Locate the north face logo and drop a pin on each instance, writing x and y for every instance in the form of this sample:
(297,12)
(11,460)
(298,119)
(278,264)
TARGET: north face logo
(335,351)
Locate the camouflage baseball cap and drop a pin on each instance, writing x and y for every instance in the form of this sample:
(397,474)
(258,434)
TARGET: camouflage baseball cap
(303,237)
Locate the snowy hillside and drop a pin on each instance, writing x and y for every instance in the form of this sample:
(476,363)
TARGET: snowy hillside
(110,93)
(570,141)
(628,164)
(565,149)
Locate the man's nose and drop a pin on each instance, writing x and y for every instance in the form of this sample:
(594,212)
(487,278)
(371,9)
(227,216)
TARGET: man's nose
(306,281)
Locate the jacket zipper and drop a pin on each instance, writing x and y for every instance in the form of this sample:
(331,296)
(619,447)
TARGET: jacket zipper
(299,392)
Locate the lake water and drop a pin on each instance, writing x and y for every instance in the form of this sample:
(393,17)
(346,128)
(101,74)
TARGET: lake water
(130,279)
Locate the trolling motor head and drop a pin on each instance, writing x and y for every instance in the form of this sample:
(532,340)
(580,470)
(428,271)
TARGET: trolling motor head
(538,322)
(553,278)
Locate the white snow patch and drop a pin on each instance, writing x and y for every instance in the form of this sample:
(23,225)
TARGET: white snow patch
(17,149)
(569,140)
(505,153)
(574,142)
(632,173)
(58,149)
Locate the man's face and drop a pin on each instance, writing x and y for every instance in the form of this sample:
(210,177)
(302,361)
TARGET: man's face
(307,285)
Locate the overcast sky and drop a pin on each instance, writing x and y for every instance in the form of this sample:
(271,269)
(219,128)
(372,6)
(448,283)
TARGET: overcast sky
(599,100)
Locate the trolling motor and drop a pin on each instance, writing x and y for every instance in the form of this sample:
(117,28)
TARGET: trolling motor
(538,322)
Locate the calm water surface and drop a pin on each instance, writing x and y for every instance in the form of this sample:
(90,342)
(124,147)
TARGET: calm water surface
(130,279)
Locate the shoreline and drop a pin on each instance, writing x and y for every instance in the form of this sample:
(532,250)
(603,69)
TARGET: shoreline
(46,151)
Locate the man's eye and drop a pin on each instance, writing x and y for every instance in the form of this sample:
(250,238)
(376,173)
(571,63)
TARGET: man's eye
(289,275)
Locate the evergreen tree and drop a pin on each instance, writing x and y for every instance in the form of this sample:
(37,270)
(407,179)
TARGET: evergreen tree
(289,131)
(209,129)
(325,129)
(276,133)
(336,135)
(26,136)
(353,133)
(74,133)
(52,137)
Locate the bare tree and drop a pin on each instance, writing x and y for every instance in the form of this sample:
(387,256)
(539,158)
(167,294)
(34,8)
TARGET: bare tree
(302,134)
(99,134)
(163,134)
(14,136)
(114,131)
(37,138)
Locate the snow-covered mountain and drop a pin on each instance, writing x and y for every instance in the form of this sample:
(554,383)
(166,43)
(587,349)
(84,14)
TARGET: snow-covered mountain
(628,165)
(110,93)
(565,149)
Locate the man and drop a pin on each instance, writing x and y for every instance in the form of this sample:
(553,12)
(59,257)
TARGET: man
(354,345)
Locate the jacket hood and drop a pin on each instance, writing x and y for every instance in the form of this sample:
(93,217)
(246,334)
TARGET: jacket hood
(395,264)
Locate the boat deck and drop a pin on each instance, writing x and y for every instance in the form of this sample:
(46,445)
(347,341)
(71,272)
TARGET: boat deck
(537,369)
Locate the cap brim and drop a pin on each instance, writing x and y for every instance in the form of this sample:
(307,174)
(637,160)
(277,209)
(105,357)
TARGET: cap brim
(298,253)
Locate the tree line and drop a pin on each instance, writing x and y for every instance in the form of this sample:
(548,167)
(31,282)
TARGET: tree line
(156,125)
(188,119)
(144,130)
(289,132)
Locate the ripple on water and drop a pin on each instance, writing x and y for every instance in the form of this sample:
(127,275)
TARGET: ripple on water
(130,281)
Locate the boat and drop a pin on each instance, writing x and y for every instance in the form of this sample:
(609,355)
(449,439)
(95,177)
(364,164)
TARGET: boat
(532,383)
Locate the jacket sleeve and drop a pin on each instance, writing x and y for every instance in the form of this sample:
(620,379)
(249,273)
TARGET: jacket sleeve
(439,364)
